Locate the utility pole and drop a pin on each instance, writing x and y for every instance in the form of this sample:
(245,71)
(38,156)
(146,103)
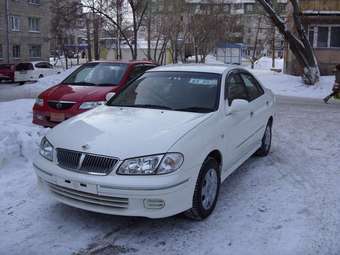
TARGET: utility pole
(7,29)
(149,29)
(88,35)
(119,6)
(273,48)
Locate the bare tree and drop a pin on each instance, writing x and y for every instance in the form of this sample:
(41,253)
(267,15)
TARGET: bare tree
(108,10)
(298,42)
(65,15)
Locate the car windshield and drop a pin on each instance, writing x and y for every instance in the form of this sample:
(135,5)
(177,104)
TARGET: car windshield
(97,74)
(178,91)
(24,67)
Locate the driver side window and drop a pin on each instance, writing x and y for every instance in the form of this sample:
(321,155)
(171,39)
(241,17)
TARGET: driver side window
(235,88)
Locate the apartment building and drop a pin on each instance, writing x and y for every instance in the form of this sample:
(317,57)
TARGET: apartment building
(24,30)
(321,18)
(256,31)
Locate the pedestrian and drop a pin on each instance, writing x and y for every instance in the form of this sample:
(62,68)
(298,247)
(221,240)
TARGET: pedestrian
(336,88)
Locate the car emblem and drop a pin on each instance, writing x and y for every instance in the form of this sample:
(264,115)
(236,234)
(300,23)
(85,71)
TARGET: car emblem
(85,147)
(59,105)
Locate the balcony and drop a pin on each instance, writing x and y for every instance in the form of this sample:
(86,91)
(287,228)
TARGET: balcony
(320,6)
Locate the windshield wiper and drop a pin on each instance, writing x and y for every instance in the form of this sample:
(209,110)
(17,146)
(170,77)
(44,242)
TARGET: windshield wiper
(83,83)
(195,109)
(151,106)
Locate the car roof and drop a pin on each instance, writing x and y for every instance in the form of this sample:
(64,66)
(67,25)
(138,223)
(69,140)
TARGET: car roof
(202,68)
(33,62)
(129,62)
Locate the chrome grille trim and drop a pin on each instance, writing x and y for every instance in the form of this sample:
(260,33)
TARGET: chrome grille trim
(113,202)
(60,105)
(85,162)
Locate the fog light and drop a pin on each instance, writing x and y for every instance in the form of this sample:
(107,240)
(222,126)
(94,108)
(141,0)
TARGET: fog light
(154,203)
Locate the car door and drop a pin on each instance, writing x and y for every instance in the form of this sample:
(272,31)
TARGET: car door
(237,125)
(258,107)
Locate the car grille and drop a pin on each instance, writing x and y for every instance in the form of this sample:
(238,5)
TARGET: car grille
(84,162)
(60,105)
(112,202)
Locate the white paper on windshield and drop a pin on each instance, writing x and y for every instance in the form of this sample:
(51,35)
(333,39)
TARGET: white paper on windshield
(196,81)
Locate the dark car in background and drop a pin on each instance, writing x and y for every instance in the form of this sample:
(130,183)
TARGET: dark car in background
(7,72)
(85,89)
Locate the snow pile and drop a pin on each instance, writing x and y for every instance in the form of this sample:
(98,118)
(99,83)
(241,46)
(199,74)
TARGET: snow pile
(289,85)
(265,63)
(18,136)
(32,90)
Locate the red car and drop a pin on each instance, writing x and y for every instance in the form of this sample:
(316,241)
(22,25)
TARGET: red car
(7,72)
(85,89)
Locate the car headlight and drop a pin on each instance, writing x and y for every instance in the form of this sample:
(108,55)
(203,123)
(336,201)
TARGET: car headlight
(46,149)
(90,105)
(152,165)
(39,101)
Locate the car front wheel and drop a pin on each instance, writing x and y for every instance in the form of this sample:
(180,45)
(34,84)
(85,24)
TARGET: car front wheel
(206,191)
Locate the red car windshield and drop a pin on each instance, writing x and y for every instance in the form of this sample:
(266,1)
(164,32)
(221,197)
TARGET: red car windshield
(97,74)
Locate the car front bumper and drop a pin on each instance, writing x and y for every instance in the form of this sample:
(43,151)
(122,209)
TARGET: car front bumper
(42,117)
(114,195)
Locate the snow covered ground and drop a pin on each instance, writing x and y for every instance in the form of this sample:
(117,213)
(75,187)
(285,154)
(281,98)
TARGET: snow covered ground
(283,84)
(286,203)
(31,90)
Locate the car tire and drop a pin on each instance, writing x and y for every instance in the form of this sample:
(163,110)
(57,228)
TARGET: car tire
(206,191)
(266,142)
(21,83)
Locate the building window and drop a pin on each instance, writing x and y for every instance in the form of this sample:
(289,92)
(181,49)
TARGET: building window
(282,7)
(311,35)
(238,6)
(226,8)
(34,1)
(16,51)
(35,51)
(34,24)
(324,36)
(335,37)
(1,53)
(249,8)
(15,23)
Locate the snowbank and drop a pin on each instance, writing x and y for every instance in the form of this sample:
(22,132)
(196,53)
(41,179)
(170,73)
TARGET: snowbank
(289,85)
(283,84)
(18,136)
(265,63)
(32,90)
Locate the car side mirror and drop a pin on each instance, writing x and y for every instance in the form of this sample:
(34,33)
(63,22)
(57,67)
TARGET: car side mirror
(238,105)
(109,96)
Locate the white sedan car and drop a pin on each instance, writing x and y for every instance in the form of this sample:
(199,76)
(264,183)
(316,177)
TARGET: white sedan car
(162,146)
(32,71)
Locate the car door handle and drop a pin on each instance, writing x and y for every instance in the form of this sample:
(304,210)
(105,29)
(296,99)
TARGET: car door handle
(251,114)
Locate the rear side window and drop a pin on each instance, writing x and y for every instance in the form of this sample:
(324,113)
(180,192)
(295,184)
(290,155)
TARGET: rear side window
(235,88)
(24,67)
(136,71)
(43,65)
(252,86)
(5,66)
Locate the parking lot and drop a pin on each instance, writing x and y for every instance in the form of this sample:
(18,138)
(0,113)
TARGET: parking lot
(287,203)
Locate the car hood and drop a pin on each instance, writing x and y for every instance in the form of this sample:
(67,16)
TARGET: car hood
(64,92)
(124,132)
